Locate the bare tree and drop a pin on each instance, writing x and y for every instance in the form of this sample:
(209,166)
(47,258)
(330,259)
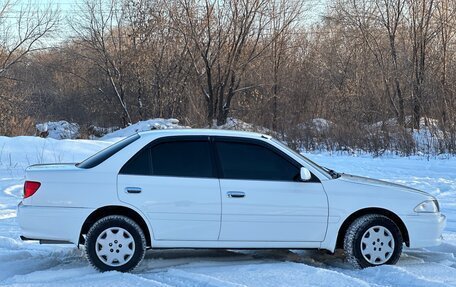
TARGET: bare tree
(159,61)
(223,38)
(446,19)
(351,80)
(422,33)
(23,29)
(371,18)
(391,13)
(102,33)
(283,14)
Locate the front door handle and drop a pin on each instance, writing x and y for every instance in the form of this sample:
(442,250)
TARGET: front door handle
(133,189)
(235,194)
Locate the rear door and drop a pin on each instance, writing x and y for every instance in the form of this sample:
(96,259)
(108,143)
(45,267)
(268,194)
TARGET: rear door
(263,198)
(173,181)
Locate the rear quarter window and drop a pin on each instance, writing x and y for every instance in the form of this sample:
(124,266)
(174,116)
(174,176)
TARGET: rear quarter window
(106,153)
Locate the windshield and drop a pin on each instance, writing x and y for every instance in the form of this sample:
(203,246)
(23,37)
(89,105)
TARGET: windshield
(103,155)
(322,169)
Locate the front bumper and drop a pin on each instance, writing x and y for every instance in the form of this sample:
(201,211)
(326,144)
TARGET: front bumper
(51,224)
(425,229)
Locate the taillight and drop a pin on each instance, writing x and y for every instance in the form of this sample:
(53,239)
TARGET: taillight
(30,187)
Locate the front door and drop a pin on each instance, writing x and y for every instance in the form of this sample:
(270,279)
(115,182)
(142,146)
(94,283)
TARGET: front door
(263,198)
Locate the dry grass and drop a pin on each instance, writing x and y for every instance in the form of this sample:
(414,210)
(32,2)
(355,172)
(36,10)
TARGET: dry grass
(17,126)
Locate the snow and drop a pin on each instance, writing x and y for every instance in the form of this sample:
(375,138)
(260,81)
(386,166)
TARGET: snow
(58,130)
(427,140)
(319,125)
(239,125)
(96,132)
(152,124)
(31,264)
(16,153)
(387,136)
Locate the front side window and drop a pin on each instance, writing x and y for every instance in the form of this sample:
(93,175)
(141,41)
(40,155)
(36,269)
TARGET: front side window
(240,160)
(321,169)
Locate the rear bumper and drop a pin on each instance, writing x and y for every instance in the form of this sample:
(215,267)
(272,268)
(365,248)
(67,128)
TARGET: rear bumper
(51,224)
(425,230)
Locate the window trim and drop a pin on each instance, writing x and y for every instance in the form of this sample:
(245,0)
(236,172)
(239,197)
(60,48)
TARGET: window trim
(268,146)
(217,172)
(173,139)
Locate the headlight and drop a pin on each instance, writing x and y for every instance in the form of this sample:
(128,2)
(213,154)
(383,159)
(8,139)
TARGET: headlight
(428,206)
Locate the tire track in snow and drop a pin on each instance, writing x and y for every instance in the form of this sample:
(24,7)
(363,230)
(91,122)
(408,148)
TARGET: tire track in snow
(184,278)
(388,275)
(265,275)
(14,191)
(25,260)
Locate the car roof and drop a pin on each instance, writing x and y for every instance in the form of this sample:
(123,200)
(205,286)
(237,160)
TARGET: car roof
(201,132)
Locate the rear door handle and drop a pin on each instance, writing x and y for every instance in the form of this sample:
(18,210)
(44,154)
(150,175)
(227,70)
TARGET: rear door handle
(133,190)
(235,194)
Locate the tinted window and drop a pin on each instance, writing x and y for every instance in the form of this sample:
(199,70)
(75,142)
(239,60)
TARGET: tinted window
(182,158)
(251,161)
(139,164)
(103,155)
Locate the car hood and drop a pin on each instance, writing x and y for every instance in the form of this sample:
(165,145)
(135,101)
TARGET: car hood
(379,183)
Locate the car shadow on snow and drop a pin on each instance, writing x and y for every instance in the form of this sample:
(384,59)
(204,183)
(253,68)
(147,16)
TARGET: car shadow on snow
(158,260)
(162,259)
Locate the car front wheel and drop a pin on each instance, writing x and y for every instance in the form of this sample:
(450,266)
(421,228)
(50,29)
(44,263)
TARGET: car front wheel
(373,240)
(115,243)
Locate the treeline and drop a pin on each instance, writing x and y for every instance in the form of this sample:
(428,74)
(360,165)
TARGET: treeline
(378,70)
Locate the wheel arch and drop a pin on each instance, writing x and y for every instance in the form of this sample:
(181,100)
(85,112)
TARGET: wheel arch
(371,210)
(115,210)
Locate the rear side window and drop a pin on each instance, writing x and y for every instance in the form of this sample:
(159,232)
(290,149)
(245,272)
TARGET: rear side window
(103,155)
(251,161)
(182,158)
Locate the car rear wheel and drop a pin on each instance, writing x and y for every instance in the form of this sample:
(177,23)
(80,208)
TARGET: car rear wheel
(373,240)
(115,243)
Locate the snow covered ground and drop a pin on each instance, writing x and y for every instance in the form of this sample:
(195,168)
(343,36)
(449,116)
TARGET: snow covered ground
(31,264)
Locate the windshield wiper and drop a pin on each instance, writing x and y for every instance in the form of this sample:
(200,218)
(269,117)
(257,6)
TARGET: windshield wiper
(334,174)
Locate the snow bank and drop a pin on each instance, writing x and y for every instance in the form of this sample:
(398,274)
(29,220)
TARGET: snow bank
(16,153)
(322,124)
(318,125)
(58,130)
(96,132)
(428,139)
(152,124)
(239,125)
(379,138)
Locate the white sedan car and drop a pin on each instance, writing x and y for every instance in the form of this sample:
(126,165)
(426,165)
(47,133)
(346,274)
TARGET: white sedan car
(219,189)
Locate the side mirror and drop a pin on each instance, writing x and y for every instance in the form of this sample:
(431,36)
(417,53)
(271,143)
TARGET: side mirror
(305,174)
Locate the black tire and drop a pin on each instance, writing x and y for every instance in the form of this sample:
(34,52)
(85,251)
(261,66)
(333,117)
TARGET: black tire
(112,222)
(355,232)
